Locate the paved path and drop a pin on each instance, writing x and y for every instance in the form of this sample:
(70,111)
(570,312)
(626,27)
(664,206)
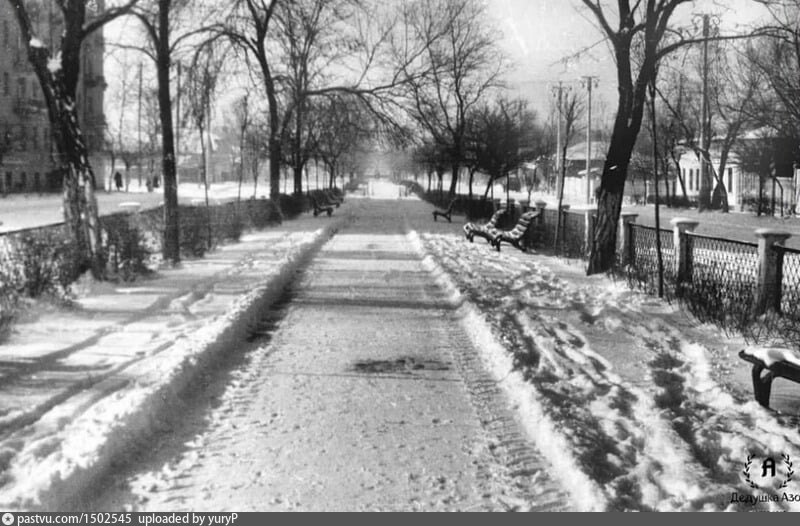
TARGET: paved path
(368,395)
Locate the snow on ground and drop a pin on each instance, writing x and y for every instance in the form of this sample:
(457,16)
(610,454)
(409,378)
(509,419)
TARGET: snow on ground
(617,387)
(637,409)
(138,356)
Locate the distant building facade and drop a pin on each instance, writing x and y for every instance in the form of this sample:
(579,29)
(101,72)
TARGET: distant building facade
(760,161)
(27,163)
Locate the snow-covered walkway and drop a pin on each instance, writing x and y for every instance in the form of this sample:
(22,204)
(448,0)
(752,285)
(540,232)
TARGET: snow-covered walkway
(368,395)
(645,408)
(628,403)
(77,385)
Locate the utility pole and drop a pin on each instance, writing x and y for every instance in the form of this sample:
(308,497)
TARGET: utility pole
(591,81)
(139,126)
(560,167)
(558,91)
(704,198)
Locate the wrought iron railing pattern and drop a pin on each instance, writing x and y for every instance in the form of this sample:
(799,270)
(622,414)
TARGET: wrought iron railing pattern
(642,270)
(724,276)
(574,236)
(790,283)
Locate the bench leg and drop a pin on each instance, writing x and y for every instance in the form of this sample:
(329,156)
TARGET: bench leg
(762,384)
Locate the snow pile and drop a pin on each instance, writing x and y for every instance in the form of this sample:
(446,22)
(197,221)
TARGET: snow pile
(124,408)
(621,400)
(772,355)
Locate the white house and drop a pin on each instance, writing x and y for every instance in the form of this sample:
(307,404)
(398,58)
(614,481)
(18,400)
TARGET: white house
(741,182)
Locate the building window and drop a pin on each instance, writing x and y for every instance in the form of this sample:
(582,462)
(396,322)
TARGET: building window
(691,179)
(37,182)
(730,179)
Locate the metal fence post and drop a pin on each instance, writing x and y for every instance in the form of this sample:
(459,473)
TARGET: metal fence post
(540,206)
(770,270)
(624,237)
(588,227)
(683,255)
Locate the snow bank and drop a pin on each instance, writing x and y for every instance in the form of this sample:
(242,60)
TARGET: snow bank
(540,429)
(50,472)
(616,394)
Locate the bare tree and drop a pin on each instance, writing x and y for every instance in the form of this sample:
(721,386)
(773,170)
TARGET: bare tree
(571,111)
(201,87)
(313,48)
(58,77)
(458,67)
(777,57)
(343,127)
(169,24)
(640,35)
(503,132)
(243,123)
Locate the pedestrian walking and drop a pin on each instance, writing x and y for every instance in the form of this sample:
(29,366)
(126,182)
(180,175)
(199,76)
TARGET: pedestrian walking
(118,181)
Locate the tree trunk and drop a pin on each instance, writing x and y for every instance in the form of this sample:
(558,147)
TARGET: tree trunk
(560,192)
(454,179)
(59,88)
(609,203)
(171,247)
(274,145)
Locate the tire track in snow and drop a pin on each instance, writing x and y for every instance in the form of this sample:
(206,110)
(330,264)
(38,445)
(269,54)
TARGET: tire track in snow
(656,458)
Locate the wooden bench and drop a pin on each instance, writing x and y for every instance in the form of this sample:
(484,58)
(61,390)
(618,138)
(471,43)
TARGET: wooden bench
(518,235)
(320,208)
(331,199)
(488,230)
(770,363)
(445,213)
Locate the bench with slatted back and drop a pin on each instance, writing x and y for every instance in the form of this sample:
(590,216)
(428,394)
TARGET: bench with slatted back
(770,363)
(517,236)
(487,230)
(447,214)
(320,207)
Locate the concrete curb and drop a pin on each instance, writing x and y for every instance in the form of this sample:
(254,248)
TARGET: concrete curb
(498,362)
(136,399)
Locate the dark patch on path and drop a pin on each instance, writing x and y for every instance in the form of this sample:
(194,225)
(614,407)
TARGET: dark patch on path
(406,364)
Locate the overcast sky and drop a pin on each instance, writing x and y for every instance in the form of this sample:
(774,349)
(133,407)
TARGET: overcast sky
(539,34)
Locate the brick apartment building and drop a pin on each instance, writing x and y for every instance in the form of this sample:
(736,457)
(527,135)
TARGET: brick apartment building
(26,155)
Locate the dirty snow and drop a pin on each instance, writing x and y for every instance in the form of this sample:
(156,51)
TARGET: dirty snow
(45,463)
(771,355)
(615,384)
(637,408)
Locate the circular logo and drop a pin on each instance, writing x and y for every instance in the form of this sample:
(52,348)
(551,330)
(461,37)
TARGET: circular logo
(8,519)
